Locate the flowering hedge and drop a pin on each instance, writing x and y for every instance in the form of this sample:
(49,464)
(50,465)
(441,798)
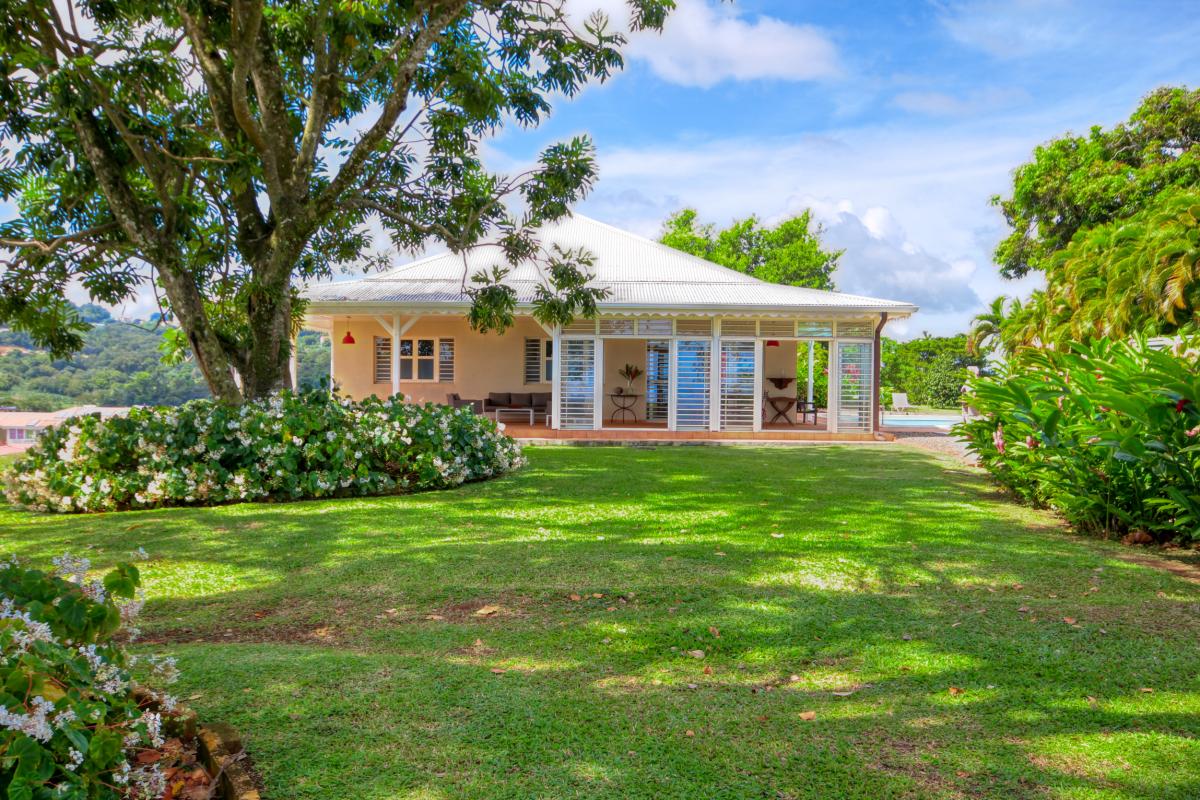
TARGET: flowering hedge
(71,725)
(1108,434)
(288,447)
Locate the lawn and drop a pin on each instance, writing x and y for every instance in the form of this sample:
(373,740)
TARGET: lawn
(540,636)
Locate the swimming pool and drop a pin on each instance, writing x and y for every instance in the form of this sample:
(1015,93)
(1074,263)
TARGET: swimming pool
(918,421)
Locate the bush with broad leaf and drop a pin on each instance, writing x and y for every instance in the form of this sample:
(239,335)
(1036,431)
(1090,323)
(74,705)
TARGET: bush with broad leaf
(71,722)
(291,446)
(1108,434)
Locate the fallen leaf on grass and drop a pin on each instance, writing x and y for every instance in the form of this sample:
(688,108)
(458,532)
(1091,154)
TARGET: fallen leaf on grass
(842,694)
(707,670)
(1023,610)
(597,595)
(575,598)
(1146,690)
(956,691)
(487,611)
(1069,620)
(497,671)
(689,732)
(1093,702)
(808,716)
(776,535)
(713,630)
(696,653)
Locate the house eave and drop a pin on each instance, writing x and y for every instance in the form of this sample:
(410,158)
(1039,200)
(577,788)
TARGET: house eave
(358,307)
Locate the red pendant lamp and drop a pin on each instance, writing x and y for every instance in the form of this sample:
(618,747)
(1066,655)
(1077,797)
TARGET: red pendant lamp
(349,337)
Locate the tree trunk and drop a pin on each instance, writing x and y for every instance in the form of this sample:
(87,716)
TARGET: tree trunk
(266,367)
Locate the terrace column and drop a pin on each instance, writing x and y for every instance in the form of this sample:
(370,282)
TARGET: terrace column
(834,383)
(759,402)
(395,354)
(556,379)
(714,379)
(811,351)
(598,385)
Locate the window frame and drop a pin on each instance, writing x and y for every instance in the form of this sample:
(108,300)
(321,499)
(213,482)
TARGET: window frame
(413,361)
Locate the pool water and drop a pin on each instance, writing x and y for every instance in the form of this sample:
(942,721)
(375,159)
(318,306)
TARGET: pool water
(918,421)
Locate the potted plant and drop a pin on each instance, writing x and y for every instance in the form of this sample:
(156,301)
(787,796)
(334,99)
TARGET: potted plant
(630,372)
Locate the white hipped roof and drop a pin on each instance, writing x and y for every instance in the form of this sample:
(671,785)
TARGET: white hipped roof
(641,275)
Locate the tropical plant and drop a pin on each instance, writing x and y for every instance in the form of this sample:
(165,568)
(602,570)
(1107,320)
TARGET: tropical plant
(227,152)
(289,446)
(71,723)
(985,335)
(630,372)
(1108,433)
(788,253)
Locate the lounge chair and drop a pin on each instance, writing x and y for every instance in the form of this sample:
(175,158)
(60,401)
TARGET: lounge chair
(900,402)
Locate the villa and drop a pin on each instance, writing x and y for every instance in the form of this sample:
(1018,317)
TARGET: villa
(714,350)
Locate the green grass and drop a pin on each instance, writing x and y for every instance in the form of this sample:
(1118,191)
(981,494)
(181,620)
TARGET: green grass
(343,638)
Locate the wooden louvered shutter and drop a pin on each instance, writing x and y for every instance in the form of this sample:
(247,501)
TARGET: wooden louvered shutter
(533,361)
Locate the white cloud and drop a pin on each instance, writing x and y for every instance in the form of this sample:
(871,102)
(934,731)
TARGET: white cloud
(704,43)
(880,260)
(910,207)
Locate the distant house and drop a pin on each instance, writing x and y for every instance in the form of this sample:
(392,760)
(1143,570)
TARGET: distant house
(715,350)
(20,429)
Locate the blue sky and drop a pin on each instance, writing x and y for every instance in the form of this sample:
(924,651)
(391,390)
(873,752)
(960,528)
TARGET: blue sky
(894,121)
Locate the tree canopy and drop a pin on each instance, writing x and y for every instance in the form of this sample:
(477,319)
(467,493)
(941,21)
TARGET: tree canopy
(788,253)
(1112,220)
(1076,183)
(229,151)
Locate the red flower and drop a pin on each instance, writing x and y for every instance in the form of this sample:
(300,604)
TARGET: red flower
(1182,404)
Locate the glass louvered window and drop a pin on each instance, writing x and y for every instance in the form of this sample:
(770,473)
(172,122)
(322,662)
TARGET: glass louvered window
(382,353)
(855,389)
(814,330)
(739,400)
(856,330)
(693,370)
(577,390)
(446,360)
(539,360)
(658,380)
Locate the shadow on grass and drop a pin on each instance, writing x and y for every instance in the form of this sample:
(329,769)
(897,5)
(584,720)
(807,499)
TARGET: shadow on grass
(876,572)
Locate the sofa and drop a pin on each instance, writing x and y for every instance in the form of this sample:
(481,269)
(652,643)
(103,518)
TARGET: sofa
(538,401)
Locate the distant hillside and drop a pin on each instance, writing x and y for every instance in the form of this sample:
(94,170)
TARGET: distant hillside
(120,365)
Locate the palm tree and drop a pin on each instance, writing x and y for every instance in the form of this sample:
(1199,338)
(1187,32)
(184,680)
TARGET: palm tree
(984,336)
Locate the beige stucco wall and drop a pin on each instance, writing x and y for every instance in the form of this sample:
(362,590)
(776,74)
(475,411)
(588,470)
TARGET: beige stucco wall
(482,362)
(618,353)
(780,362)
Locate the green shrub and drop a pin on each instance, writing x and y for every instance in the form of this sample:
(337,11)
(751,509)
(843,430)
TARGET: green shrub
(885,396)
(940,382)
(1108,434)
(288,447)
(70,723)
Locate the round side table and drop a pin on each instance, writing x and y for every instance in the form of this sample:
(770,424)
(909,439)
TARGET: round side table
(623,404)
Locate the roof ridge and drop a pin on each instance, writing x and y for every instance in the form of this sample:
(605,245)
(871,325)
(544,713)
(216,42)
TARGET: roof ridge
(704,262)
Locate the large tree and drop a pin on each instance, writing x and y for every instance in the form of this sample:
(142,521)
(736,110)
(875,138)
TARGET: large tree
(1112,220)
(789,253)
(228,150)
(1075,183)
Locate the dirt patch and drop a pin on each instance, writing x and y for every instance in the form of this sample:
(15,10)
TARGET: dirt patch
(480,610)
(1180,569)
(905,757)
